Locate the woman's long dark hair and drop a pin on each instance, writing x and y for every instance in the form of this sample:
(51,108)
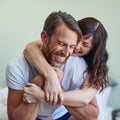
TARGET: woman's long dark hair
(98,56)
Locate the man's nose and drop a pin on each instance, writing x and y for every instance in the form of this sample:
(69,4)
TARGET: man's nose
(67,51)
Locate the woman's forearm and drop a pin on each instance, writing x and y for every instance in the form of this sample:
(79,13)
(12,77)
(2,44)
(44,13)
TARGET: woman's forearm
(52,87)
(33,54)
(74,98)
(79,97)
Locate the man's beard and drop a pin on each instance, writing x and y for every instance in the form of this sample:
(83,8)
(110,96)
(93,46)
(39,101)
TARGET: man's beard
(48,57)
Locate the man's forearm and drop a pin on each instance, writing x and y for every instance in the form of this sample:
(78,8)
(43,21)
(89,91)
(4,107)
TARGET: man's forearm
(18,109)
(26,111)
(87,112)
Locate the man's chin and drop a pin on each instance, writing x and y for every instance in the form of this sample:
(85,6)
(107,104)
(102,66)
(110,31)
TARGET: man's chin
(61,61)
(58,64)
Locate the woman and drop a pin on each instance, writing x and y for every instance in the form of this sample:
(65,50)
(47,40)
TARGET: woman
(92,47)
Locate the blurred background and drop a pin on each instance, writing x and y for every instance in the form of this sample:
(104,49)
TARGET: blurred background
(21,22)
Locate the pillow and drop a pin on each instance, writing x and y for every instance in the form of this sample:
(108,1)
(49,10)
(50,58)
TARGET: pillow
(112,83)
(103,97)
(3,103)
(3,95)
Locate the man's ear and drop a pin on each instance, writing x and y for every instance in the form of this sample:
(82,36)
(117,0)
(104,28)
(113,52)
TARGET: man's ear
(44,37)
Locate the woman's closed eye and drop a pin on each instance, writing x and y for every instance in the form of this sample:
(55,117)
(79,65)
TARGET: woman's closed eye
(85,44)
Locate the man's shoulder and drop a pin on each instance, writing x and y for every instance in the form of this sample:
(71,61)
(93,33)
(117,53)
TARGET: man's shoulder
(20,65)
(17,64)
(17,72)
(18,60)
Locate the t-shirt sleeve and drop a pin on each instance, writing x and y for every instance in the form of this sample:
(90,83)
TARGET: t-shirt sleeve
(15,76)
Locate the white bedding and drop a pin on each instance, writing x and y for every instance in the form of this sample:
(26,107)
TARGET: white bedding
(3,103)
(105,109)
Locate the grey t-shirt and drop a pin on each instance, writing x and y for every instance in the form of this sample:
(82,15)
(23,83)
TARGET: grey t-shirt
(19,72)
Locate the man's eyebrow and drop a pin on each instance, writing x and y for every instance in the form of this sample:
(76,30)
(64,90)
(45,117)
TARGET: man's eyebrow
(60,41)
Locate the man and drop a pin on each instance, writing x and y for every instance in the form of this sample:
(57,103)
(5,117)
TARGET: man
(59,37)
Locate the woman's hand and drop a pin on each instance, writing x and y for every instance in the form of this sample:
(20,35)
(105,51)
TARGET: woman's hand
(59,74)
(53,90)
(33,93)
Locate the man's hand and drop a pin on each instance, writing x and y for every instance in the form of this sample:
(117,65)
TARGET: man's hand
(87,112)
(53,91)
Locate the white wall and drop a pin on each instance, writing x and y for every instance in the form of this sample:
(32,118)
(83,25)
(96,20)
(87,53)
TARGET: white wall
(21,22)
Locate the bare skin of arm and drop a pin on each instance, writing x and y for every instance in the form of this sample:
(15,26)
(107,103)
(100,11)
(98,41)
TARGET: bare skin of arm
(18,109)
(53,91)
(81,111)
(87,112)
(90,110)
(69,100)
(83,101)
(86,92)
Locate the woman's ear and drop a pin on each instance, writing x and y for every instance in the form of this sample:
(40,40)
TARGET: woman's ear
(44,37)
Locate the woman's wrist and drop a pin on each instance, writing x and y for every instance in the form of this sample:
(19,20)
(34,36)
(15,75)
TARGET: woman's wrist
(50,74)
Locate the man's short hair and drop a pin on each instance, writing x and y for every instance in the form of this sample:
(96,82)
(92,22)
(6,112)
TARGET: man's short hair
(57,18)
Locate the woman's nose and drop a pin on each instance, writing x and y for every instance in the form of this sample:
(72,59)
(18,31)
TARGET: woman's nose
(78,46)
